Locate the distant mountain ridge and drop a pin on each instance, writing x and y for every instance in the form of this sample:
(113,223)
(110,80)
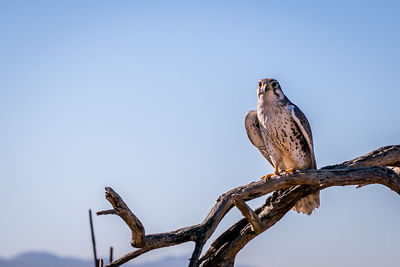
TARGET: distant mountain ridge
(44,259)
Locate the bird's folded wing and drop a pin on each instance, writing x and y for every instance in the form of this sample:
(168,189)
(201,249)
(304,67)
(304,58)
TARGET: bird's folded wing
(302,122)
(254,133)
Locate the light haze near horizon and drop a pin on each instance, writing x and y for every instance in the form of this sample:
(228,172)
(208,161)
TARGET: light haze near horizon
(149,98)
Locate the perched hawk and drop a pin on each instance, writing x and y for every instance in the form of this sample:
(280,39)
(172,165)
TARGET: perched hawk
(281,132)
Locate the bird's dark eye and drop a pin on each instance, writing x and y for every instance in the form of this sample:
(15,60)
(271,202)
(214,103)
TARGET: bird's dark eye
(274,85)
(259,84)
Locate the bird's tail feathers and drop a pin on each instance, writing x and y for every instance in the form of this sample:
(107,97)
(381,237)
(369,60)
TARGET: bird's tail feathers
(307,204)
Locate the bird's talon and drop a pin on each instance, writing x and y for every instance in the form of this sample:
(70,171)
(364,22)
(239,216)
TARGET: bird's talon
(265,177)
(288,171)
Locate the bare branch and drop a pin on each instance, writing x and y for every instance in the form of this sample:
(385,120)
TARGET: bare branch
(107,212)
(288,189)
(223,250)
(228,244)
(384,156)
(121,209)
(127,257)
(256,224)
(197,252)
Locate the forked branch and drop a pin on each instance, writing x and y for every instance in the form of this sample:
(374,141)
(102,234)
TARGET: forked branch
(121,209)
(257,225)
(371,168)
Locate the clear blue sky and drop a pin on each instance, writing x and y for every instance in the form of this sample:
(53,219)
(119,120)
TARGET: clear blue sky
(149,98)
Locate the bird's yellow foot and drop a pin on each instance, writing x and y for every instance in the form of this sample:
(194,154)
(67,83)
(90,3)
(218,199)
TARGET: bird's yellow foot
(288,171)
(276,172)
(265,177)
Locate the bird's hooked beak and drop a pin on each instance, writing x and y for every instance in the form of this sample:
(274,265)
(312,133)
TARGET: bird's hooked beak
(262,88)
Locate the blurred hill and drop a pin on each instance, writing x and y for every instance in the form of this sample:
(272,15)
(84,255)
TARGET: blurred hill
(43,259)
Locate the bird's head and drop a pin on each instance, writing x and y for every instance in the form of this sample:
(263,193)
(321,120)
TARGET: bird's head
(269,90)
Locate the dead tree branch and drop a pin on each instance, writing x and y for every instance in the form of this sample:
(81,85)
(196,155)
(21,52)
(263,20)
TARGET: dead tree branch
(257,225)
(288,189)
(121,209)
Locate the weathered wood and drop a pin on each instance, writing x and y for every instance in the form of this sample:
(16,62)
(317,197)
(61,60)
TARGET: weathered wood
(121,209)
(197,251)
(287,188)
(256,224)
(384,156)
(229,243)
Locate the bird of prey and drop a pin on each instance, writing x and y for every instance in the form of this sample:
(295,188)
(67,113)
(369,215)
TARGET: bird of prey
(282,133)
